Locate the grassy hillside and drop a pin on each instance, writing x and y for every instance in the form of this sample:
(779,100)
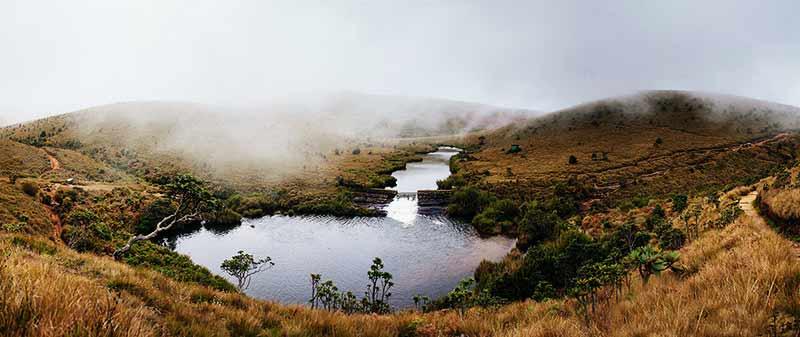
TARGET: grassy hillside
(655,143)
(21,159)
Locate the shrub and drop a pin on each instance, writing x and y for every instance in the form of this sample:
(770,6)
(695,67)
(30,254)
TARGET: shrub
(152,214)
(497,217)
(451,182)
(173,265)
(467,202)
(253,206)
(356,151)
(223,219)
(649,261)
(669,237)
(30,188)
(536,225)
(85,232)
(679,202)
(573,160)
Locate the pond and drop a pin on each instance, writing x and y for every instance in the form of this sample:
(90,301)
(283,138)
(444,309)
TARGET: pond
(426,252)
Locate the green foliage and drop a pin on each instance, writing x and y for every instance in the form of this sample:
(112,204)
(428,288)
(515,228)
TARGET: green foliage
(84,231)
(451,182)
(467,202)
(376,298)
(153,214)
(243,266)
(729,214)
(421,302)
(564,200)
(222,218)
(514,149)
(326,295)
(14,227)
(651,261)
(679,202)
(782,179)
(669,237)
(591,278)
(254,205)
(341,205)
(496,218)
(173,265)
(537,224)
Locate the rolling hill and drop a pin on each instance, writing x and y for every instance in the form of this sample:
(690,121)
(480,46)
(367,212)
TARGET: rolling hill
(649,144)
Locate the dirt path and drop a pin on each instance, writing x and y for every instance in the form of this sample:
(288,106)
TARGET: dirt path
(56,220)
(54,164)
(746,204)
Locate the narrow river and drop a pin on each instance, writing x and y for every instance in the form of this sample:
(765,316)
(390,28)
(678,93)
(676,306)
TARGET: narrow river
(426,253)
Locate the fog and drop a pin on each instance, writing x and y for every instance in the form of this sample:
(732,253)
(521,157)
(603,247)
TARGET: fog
(542,55)
(284,136)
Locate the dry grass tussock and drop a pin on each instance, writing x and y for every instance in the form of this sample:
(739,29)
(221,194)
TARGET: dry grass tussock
(739,281)
(784,203)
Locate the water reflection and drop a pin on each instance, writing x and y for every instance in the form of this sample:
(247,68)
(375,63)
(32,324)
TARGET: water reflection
(427,254)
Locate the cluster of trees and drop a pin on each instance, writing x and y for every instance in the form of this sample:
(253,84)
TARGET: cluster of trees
(562,260)
(532,221)
(325,295)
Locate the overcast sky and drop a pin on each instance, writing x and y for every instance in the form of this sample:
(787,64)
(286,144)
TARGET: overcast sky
(60,56)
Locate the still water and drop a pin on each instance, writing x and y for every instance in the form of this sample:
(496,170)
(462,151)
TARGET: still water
(426,253)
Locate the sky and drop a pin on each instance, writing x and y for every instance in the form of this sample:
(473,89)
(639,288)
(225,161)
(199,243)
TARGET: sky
(61,56)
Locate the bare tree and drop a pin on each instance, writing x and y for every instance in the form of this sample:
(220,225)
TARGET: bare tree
(191,199)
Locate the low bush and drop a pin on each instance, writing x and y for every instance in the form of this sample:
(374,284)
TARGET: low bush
(467,202)
(30,188)
(498,217)
(153,214)
(83,231)
(451,182)
(254,205)
(174,265)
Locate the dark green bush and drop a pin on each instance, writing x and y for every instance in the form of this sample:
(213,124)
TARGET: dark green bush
(153,214)
(173,265)
(254,206)
(451,182)
(573,160)
(467,202)
(679,202)
(30,188)
(496,218)
(536,225)
(83,231)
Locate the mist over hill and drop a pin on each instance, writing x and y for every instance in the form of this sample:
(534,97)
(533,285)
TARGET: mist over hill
(271,139)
